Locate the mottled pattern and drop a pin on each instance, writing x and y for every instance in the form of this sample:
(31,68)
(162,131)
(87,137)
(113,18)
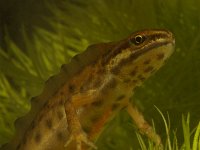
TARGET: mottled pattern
(90,90)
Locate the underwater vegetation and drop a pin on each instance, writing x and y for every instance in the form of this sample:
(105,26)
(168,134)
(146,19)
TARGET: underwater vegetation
(38,37)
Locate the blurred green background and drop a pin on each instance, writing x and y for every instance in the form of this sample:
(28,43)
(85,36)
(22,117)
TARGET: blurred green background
(37,37)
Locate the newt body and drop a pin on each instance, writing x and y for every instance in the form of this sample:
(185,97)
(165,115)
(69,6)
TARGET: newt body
(88,92)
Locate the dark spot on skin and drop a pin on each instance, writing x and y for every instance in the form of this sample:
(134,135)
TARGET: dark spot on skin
(146,62)
(127,80)
(148,69)
(112,83)
(61,102)
(60,115)
(133,73)
(120,97)
(82,89)
(48,123)
(100,70)
(94,118)
(97,103)
(48,106)
(24,140)
(60,136)
(141,78)
(37,137)
(33,125)
(115,106)
(160,56)
(40,117)
(123,107)
(97,83)
(71,88)
(61,93)
(135,81)
(115,70)
(18,146)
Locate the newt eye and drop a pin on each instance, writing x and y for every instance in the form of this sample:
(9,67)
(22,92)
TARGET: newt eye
(138,39)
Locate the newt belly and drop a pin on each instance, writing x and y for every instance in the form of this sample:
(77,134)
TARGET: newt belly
(74,106)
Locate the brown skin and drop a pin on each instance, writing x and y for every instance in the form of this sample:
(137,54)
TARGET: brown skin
(75,105)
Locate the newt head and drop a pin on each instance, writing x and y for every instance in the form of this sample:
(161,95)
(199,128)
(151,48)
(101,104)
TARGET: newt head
(142,53)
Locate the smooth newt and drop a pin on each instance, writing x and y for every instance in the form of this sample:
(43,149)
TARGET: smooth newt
(74,106)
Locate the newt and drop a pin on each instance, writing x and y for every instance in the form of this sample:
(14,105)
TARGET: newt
(75,104)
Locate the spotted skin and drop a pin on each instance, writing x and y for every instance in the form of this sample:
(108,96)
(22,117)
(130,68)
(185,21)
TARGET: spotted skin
(76,104)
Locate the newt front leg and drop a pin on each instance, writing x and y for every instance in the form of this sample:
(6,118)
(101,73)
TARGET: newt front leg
(74,128)
(143,125)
